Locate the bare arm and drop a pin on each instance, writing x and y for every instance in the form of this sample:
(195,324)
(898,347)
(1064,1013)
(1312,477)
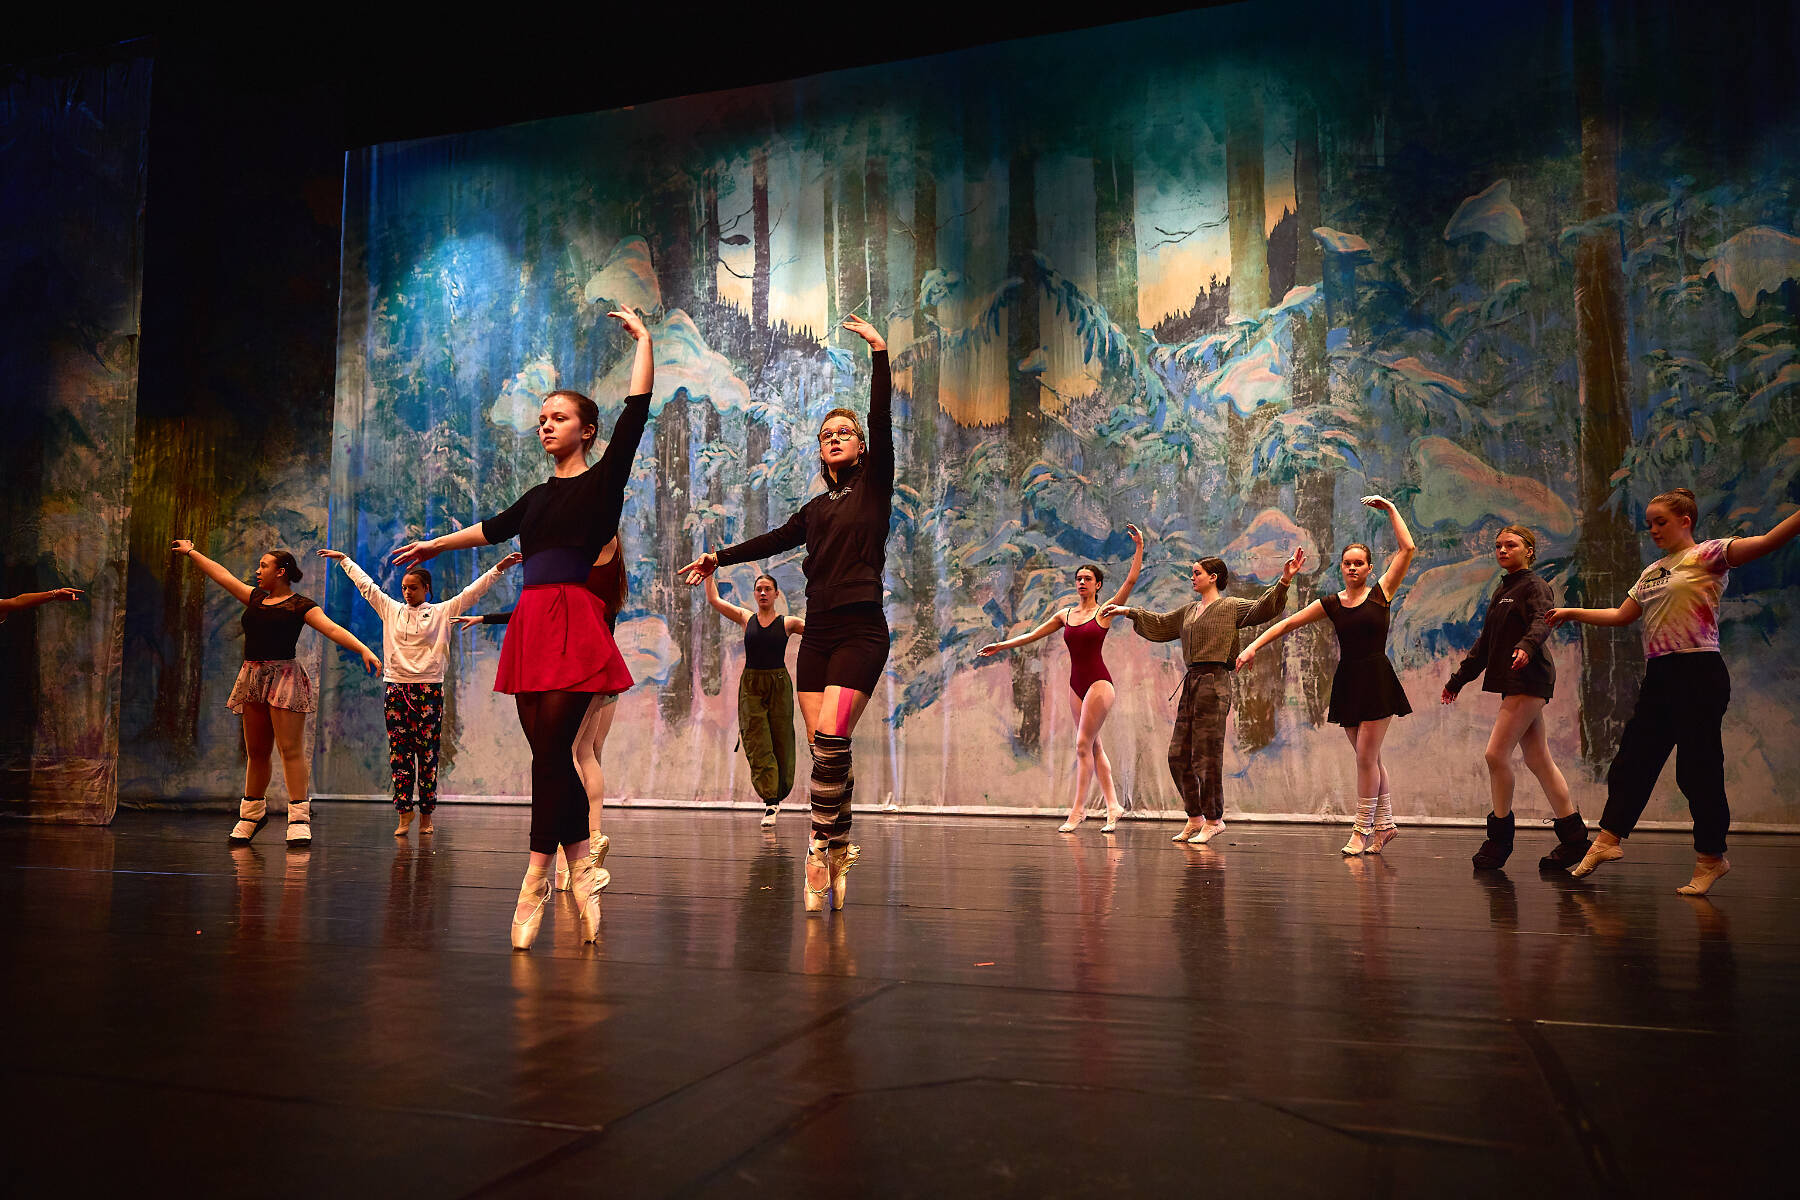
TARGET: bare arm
(12,604)
(213,571)
(1131,577)
(1306,616)
(643,360)
(1749,549)
(1403,555)
(1625,614)
(417,552)
(726,608)
(318,620)
(794,625)
(1042,631)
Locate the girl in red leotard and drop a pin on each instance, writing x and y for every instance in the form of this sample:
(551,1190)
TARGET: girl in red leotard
(1091,692)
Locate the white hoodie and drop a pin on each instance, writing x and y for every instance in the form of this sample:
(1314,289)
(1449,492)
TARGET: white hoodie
(415,642)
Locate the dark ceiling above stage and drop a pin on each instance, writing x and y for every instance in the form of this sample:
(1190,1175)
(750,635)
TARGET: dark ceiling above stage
(389,80)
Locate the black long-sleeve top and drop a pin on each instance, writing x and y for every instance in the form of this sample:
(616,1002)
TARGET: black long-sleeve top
(844,529)
(580,512)
(1515,620)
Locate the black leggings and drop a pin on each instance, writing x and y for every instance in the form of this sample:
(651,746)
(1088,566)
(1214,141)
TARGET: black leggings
(558,801)
(1680,708)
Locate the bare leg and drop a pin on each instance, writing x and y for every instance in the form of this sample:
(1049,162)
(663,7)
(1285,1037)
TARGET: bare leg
(1549,776)
(259,744)
(1365,740)
(290,740)
(1517,714)
(1090,715)
(590,741)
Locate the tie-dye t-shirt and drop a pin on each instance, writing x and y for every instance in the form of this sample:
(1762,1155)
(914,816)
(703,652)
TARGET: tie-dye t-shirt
(1680,598)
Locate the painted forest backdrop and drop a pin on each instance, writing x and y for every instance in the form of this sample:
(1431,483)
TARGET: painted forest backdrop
(1218,273)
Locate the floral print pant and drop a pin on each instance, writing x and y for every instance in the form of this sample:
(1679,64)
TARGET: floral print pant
(415,717)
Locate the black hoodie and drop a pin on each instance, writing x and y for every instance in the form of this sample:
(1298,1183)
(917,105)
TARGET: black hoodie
(1515,620)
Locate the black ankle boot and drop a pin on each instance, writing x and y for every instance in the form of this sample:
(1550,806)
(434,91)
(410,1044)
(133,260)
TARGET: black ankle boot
(1572,843)
(1499,845)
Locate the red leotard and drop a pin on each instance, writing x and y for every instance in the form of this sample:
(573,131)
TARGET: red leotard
(1086,664)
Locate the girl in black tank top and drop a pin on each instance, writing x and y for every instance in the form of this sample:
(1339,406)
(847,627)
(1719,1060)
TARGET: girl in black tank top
(765,691)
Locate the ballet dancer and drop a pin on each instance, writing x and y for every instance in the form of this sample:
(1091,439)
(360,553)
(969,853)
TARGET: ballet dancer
(415,648)
(1208,629)
(765,691)
(1091,692)
(1686,688)
(607,580)
(558,653)
(844,650)
(1511,652)
(24,600)
(272,693)
(1365,692)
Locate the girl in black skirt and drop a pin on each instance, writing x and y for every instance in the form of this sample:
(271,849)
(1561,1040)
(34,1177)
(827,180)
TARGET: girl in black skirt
(1365,692)
(1511,652)
(844,650)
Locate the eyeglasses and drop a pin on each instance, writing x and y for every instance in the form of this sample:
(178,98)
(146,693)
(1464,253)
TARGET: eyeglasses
(836,435)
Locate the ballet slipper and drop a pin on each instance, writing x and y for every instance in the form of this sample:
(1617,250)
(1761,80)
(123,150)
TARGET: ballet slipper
(1604,850)
(1708,870)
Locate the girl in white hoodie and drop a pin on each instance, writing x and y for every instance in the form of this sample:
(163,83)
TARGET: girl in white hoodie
(415,646)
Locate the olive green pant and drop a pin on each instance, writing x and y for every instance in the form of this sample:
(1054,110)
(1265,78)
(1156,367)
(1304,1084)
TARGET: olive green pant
(766,725)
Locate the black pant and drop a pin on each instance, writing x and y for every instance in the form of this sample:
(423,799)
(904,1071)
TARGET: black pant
(558,801)
(1681,708)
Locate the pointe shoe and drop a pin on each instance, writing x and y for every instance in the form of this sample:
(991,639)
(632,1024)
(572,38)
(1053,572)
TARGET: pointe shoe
(1187,831)
(598,845)
(405,825)
(528,915)
(1380,838)
(1112,820)
(1706,873)
(252,816)
(1599,852)
(1359,841)
(586,884)
(817,873)
(768,817)
(1208,831)
(425,826)
(838,861)
(563,877)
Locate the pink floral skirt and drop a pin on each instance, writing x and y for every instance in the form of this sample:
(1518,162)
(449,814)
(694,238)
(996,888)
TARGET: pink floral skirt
(278,683)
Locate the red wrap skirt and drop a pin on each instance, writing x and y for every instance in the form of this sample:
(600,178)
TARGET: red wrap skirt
(557,641)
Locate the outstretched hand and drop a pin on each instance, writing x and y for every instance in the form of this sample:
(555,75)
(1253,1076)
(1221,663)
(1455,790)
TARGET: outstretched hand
(1137,535)
(415,552)
(865,331)
(511,560)
(697,571)
(634,324)
(371,664)
(62,593)
(334,555)
(181,546)
(989,650)
(466,621)
(1110,610)
(1292,567)
(1557,616)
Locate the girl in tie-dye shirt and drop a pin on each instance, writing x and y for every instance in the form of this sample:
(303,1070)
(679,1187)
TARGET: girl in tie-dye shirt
(1681,703)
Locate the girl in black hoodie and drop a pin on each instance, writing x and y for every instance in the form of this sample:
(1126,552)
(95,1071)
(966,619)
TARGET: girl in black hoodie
(1512,652)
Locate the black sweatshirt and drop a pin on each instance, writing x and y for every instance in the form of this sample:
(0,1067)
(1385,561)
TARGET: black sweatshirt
(1515,620)
(580,511)
(845,529)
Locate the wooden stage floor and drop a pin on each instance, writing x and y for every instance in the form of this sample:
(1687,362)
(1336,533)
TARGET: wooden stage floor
(1000,1011)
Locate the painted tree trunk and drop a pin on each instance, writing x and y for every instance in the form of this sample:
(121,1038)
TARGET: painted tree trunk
(674,236)
(1314,507)
(852,247)
(923,571)
(756,436)
(1115,235)
(875,238)
(1024,428)
(1611,662)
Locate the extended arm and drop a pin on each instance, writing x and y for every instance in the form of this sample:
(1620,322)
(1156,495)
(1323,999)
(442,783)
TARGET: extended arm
(1152,627)
(385,606)
(24,600)
(1306,616)
(463,539)
(1748,549)
(1045,630)
(213,571)
(726,608)
(462,600)
(1137,568)
(1625,614)
(762,546)
(318,620)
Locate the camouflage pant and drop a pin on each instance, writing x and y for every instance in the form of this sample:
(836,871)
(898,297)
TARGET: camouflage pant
(766,725)
(1197,749)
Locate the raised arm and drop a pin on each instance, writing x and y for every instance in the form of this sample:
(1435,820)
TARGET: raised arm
(460,602)
(615,462)
(725,608)
(1403,541)
(316,617)
(1306,616)
(213,571)
(385,606)
(794,626)
(1625,614)
(1131,576)
(878,465)
(1749,549)
(1045,630)
(1269,605)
